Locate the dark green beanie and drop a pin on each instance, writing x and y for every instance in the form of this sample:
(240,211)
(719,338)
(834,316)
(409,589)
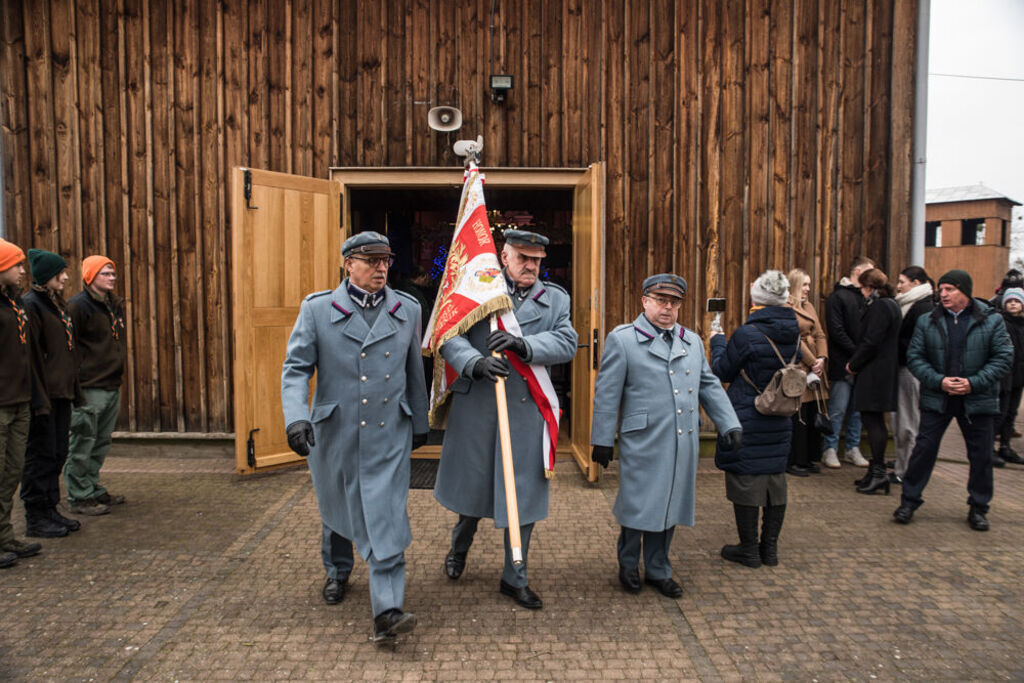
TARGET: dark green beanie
(960,279)
(44,265)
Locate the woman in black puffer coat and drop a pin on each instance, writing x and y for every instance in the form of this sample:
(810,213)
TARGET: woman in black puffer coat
(875,367)
(755,474)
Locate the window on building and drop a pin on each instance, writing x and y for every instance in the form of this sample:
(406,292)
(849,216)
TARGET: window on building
(972,231)
(933,234)
(1004,237)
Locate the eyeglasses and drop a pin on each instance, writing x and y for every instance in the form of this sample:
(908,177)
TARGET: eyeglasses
(375,261)
(665,301)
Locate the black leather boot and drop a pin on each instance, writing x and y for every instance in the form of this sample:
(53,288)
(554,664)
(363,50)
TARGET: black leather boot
(770,528)
(878,478)
(39,525)
(746,553)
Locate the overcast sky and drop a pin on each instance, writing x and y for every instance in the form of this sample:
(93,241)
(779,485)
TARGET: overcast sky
(976,125)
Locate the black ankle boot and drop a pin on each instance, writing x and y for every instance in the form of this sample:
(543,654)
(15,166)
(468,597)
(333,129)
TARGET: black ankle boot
(770,528)
(746,553)
(877,478)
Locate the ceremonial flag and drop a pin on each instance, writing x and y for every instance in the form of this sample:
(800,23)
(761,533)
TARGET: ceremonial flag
(472,287)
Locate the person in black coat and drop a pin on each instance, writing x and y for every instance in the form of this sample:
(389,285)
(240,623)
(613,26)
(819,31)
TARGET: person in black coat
(1012,385)
(755,473)
(48,433)
(843,310)
(875,367)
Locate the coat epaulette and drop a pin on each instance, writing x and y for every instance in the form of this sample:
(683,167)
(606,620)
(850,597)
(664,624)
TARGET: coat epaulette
(314,295)
(551,285)
(624,326)
(406,295)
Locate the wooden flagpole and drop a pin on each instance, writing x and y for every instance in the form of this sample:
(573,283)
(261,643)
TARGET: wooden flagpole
(511,502)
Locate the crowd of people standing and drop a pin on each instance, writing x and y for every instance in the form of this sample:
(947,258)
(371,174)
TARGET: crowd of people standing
(59,392)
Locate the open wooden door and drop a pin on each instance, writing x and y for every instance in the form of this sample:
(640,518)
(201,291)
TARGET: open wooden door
(587,308)
(286,243)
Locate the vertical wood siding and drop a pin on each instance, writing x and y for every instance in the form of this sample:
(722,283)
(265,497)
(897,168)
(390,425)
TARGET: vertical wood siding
(738,135)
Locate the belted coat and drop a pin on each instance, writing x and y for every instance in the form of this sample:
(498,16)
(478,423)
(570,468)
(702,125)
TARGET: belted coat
(370,399)
(470,479)
(649,390)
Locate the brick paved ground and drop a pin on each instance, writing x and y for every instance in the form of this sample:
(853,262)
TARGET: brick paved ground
(204,575)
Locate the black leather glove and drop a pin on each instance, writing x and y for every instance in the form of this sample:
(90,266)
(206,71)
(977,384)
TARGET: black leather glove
(419,440)
(602,455)
(491,368)
(731,440)
(499,340)
(300,437)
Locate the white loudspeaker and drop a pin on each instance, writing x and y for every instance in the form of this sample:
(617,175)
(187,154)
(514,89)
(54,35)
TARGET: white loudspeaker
(444,119)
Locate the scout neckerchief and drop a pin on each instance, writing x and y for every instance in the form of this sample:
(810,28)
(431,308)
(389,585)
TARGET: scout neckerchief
(19,313)
(61,313)
(105,300)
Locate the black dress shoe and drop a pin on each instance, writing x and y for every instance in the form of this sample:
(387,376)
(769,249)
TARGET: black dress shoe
(70,524)
(798,470)
(903,514)
(454,564)
(334,591)
(976,518)
(1009,455)
(391,623)
(44,527)
(523,596)
(667,587)
(630,579)
(813,468)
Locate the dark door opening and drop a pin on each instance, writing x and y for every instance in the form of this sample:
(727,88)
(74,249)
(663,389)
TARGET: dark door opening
(420,222)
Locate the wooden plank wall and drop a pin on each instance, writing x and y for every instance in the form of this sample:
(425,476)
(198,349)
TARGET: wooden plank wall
(738,135)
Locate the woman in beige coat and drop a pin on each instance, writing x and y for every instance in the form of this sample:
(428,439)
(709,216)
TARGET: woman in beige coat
(805,447)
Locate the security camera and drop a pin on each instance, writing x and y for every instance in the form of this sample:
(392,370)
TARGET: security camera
(444,119)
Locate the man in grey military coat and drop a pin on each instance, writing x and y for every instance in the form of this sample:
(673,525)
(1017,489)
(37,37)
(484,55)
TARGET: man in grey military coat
(652,379)
(362,341)
(470,480)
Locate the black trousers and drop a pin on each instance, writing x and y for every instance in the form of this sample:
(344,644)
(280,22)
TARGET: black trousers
(1009,402)
(978,437)
(806,444)
(45,453)
(878,437)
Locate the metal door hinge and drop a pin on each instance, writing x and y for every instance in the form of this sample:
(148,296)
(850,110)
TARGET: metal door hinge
(250,449)
(247,188)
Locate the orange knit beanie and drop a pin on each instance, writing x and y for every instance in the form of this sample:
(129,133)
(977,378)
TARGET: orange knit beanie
(93,265)
(10,255)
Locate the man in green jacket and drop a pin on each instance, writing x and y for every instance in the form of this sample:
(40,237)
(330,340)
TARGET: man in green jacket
(959,352)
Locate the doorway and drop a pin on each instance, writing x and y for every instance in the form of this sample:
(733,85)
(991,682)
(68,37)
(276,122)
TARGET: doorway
(420,222)
(417,207)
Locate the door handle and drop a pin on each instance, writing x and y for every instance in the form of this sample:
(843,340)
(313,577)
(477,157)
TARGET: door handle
(594,354)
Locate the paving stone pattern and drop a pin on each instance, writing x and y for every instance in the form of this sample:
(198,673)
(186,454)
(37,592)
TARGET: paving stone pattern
(205,575)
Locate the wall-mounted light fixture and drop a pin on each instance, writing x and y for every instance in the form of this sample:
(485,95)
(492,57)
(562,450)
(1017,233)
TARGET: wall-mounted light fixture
(500,85)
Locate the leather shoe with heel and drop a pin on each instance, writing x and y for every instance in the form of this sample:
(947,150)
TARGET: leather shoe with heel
(976,519)
(903,514)
(333,591)
(454,564)
(390,623)
(523,596)
(630,579)
(666,587)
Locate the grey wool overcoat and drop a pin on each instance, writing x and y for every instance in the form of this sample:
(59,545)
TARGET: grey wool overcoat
(370,399)
(649,390)
(470,479)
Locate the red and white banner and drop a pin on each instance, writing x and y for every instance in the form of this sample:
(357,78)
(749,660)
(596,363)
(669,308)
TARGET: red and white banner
(538,381)
(473,287)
